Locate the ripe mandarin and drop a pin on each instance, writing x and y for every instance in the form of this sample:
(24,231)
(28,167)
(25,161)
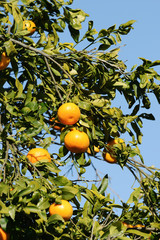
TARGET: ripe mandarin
(76,141)
(4,61)
(68,113)
(38,154)
(64,209)
(3,235)
(108,156)
(30,26)
(96,150)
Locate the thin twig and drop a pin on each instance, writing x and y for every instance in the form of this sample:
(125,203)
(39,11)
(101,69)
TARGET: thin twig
(142,165)
(139,170)
(96,171)
(92,229)
(53,78)
(78,229)
(1,128)
(85,180)
(5,161)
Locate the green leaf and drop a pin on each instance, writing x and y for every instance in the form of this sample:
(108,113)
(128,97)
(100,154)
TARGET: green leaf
(89,196)
(118,37)
(103,33)
(3,208)
(74,33)
(19,88)
(42,39)
(63,151)
(11,110)
(43,204)
(16,13)
(85,105)
(54,218)
(111,29)
(3,223)
(135,196)
(146,102)
(143,80)
(68,192)
(135,110)
(104,46)
(121,84)
(115,230)
(25,191)
(126,27)
(128,24)
(62,181)
(156,63)
(10,49)
(99,102)
(31,209)
(90,25)
(47,165)
(104,184)
(27,2)
(124,238)
(155,225)
(139,233)
(137,131)
(84,124)
(3,188)
(56,72)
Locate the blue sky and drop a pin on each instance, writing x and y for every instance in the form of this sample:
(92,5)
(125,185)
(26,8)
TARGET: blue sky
(142,41)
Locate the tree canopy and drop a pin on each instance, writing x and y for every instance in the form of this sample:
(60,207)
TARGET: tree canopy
(44,73)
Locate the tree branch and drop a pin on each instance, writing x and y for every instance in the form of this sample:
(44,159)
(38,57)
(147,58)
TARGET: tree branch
(53,78)
(45,55)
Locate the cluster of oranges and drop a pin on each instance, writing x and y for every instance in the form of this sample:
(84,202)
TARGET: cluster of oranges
(31,28)
(64,209)
(75,141)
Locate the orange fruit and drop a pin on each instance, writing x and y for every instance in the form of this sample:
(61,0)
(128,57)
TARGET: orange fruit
(96,149)
(130,226)
(68,113)
(4,61)
(139,226)
(125,224)
(57,125)
(3,235)
(30,26)
(76,141)
(108,156)
(64,209)
(38,154)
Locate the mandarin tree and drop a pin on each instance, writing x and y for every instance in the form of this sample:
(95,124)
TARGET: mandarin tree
(45,73)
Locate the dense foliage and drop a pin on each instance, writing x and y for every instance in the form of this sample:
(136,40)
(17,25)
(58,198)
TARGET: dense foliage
(44,73)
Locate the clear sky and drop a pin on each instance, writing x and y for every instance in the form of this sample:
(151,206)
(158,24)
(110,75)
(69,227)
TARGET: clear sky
(142,41)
